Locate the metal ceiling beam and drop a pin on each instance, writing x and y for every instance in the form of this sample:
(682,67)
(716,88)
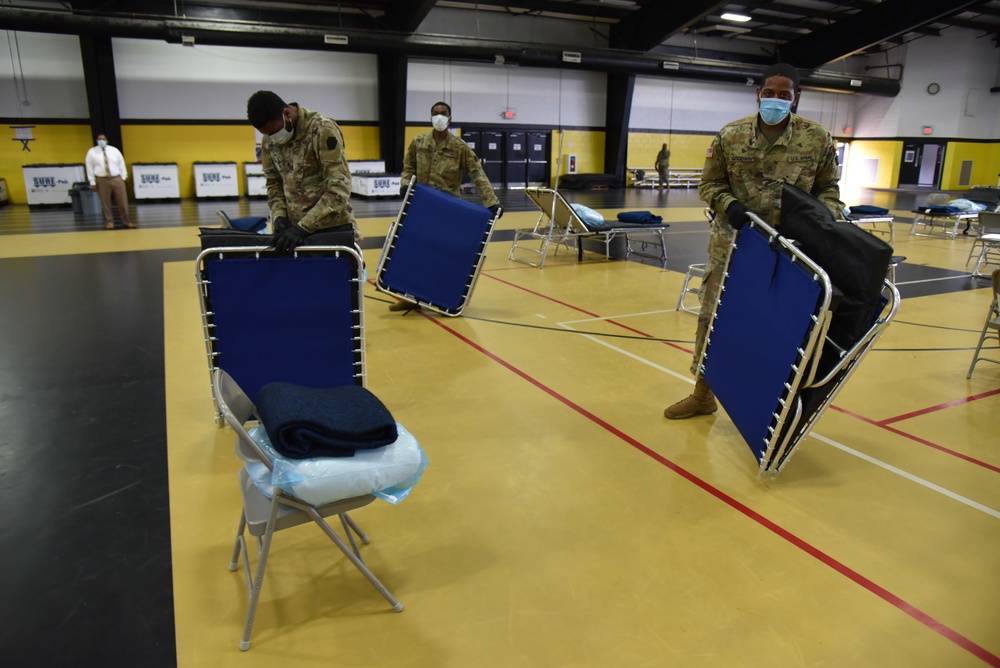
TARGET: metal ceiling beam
(582,12)
(862,30)
(406,15)
(652,24)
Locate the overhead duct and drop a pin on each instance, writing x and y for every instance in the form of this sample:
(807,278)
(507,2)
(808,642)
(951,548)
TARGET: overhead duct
(248,34)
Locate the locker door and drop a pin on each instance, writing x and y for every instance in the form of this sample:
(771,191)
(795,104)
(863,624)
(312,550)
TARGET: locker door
(491,155)
(538,159)
(474,139)
(517,160)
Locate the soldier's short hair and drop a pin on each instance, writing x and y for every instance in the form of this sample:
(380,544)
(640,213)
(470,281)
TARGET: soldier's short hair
(441,104)
(781,70)
(264,107)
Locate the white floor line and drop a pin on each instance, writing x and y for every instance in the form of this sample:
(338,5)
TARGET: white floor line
(635,357)
(868,458)
(616,317)
(932,280)
(909,476)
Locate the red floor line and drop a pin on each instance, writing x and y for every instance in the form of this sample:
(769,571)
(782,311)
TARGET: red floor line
(931,409)
(917,614)
(593,315)
(922,441)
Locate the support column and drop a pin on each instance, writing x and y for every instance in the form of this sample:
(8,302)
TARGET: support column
(102,87)
(392,110)
(618,113)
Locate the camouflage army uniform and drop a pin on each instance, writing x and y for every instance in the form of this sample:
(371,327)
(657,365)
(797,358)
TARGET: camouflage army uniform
(742,166)
(440,165)
(663,166)
(308,181)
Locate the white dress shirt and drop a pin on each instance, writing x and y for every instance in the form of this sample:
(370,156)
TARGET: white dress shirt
(96,165)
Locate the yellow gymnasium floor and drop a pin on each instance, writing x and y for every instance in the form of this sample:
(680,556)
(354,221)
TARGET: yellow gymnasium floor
(564,522)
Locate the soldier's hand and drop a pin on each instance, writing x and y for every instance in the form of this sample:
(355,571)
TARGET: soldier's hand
(281,224)
(402,190)
(496,211)
(286,242)
(737,215)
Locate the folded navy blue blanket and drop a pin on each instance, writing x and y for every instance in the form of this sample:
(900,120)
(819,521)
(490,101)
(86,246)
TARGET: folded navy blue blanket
(305,422)
(644,217)
(868,210)
(938,210)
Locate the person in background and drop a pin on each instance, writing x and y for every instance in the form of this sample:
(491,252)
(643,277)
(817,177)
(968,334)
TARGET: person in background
(107,174)
(308,181)
(438,158)
(663,166)
(744,171)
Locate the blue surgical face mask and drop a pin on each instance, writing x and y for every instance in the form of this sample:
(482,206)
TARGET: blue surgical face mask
(102,142)
(773,110)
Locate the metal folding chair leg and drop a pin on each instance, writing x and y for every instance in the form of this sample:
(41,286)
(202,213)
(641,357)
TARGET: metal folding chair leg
(694,270)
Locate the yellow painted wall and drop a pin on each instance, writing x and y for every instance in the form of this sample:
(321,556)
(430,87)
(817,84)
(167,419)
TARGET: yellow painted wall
(187,144)
(587,145)
(183,144)
(687,151)
(53,144)
(889,154)
(985,164)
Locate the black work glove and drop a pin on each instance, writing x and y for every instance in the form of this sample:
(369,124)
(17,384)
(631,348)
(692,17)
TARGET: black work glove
(737,215)
(496,211)
(280,224)
(402,190)
(286,242)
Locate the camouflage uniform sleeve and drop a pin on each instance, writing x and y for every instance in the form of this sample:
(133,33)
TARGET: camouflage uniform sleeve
(336,197)
(478,176)
(409,165)
(275,187)
(826,187)
(714,188)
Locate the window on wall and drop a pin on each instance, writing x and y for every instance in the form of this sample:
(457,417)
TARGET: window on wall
(869,170)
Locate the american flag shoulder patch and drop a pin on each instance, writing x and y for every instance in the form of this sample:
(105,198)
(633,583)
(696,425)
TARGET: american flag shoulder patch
(708,153)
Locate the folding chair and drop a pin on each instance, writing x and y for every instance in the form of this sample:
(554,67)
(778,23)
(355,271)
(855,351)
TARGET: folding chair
(262,516)
(988,238)
(694,271)
(558,224)
(268,317)
(247,223)
(434,250)
(992,323)
(776,354)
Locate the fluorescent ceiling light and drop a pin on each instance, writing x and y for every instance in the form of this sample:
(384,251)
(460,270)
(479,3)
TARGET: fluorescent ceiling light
(738,18)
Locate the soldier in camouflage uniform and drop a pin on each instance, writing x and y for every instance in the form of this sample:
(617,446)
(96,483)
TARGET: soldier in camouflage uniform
(308,181)
(438,159)
(745,168)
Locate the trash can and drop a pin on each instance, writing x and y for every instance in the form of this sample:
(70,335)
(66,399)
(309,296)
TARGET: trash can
(86,202)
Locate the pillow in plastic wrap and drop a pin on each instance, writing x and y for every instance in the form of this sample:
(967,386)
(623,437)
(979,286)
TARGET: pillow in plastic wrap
(389,472)
(588,215)
(967,205)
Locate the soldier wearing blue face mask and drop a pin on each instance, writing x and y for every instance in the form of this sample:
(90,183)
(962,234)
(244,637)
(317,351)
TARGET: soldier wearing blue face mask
(744,171)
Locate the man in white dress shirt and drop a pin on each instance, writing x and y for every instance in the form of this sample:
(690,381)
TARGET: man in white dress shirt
(107,174)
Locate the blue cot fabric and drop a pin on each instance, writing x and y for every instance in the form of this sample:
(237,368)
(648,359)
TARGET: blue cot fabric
(304,422)
(285,319)
(762,319)
(436,249)
(643,217)
(939,210)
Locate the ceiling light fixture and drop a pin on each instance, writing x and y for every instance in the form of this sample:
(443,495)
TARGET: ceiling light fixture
(738,18)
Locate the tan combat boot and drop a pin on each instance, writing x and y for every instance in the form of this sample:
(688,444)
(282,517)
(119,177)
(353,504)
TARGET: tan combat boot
(404,305)
(700,402)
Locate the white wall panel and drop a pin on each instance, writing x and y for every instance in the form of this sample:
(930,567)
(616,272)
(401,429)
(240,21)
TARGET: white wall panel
(157,80)
(478,93)
(49,76)
(689,106)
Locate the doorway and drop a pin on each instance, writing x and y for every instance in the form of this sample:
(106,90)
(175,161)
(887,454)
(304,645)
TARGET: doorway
(921,164)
